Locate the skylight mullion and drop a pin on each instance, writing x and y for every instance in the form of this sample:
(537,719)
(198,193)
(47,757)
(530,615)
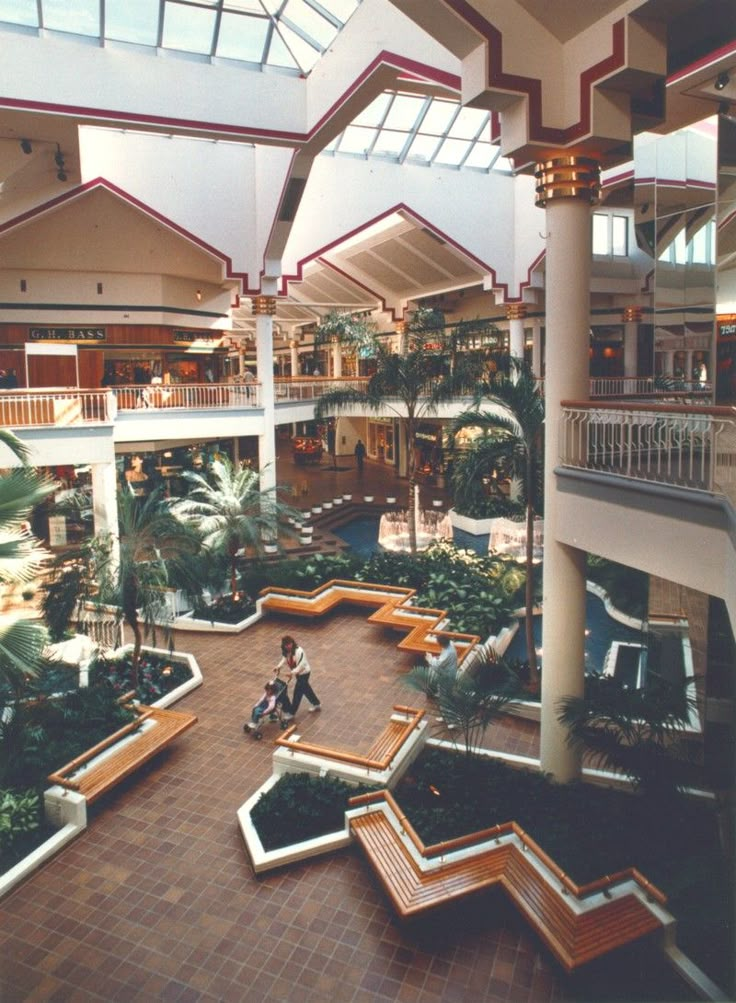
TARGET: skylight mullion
(302,34)
(473,142)
(326,14)
(407,146)
(161,15)
(216,30)
(437,148)
(39,13)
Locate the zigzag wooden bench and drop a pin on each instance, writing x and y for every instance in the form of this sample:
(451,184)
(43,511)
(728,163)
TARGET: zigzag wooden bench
(578,924)
(396,744)
(93,773)
(392,609)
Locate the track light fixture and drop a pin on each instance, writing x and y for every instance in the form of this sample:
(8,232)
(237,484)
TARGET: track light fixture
(25,145)
(59,160)
(722,81)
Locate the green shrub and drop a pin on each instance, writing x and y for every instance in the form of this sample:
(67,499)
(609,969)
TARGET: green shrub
(300,807)
(19,815)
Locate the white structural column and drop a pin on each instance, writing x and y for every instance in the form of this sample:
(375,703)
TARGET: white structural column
(105,502)
(264,307)
(566,187)
(294,357)
(515,314)
(631,318)
(336,359)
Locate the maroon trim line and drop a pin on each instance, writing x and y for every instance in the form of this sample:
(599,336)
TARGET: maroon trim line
(318,255)
(384,58)
(618,179)
(532,86)
(725,50)
(81,190)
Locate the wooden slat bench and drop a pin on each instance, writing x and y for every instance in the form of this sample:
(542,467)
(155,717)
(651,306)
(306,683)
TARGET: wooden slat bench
(96,779)
(382,752)
(575,928)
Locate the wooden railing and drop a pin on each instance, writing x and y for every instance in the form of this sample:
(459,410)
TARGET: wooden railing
(387,746)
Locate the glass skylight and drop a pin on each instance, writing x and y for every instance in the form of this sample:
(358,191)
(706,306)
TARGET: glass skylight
(286,33)
(410,128)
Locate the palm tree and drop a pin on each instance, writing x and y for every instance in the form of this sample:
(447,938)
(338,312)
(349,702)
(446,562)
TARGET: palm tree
(231,511)
(21,560)
(635,731)
(517,432)
(410,385)
(472,699)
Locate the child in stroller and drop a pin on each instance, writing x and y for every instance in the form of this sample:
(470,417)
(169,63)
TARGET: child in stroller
(272,706)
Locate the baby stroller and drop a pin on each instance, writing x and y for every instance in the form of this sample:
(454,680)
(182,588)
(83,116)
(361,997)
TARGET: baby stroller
(273,706)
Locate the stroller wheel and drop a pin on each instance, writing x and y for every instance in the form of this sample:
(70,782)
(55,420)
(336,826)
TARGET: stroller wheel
(257,735)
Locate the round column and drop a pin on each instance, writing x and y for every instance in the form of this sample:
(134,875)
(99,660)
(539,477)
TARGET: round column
(294,358)
(264,307)
(537,347)
(515,314)
(566,188)
(631,318)
(336,359)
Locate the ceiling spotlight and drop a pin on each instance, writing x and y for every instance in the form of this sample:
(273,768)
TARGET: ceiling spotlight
(62,175)
(59,158)
(722,81)
(25,145)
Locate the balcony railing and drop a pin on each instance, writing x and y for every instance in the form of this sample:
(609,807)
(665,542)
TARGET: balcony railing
(619,387)
(30,408)
(188,396)
(306,389)
(692,448)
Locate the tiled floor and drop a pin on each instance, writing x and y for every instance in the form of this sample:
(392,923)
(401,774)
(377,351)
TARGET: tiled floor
(157,901)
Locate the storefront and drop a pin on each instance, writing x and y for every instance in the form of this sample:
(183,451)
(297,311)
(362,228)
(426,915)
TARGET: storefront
(429,453)
(381,441)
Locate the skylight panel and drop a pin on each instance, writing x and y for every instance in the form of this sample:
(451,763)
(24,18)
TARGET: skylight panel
(242,37)
(278,54)
(404,111)
(374,114)
(249,6)
(80,17)
(19,12)
(389,143)
(341,9)
(355,139)
(452,152)
(132,21)
(307,19)
(481,156)
(188,28)
(305,54)
(438,117)
(468,123)
(422,148)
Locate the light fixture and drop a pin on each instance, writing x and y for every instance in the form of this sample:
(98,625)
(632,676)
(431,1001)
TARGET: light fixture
(25,145)
(722,81)
(59,159)
(198,296)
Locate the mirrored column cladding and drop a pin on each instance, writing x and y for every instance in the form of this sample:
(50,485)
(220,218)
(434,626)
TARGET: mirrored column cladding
(631,318)
(264,308)
(515,314)
(567,186)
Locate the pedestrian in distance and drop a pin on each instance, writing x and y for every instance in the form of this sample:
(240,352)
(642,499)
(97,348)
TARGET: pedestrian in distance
(359,455)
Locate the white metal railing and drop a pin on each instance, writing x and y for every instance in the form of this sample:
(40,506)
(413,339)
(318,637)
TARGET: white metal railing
(692,448)
(642,386)
(188,396)
(29,408)
(286,389)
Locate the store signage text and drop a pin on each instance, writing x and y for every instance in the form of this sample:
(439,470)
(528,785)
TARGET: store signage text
(67,334)
(193,336)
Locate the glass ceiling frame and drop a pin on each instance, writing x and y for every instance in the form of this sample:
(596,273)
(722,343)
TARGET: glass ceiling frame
(287,34)
(401,127)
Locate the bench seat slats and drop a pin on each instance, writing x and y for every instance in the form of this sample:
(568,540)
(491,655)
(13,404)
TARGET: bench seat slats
(575,938)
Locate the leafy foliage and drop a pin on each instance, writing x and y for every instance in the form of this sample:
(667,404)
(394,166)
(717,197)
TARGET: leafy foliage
(300,807)
(628,589)
(19,815)
(157,674)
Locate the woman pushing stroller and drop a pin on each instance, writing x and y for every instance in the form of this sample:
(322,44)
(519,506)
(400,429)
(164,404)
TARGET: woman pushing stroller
(295,660)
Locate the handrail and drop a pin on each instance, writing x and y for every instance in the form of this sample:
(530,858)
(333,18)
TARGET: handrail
(59,778)
(415,717)
(716,411)
(485,835)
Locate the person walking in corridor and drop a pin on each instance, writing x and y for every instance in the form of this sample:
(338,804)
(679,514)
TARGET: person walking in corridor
(359,455)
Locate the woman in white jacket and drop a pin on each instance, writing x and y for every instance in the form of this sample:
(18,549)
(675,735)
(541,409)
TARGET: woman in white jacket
(295,660)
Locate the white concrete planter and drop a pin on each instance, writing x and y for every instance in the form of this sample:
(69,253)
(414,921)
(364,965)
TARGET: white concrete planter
(39,856)
(476,527)
(176,656)
(391,500)
(327,505)
(270,548)
(337,501)
(437,503)
(266,860)
(316,509)
(188,622)
(347,497)
(368,498)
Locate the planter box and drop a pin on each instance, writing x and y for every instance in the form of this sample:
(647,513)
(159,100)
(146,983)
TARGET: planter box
(177,656)
(368,498)
(40,855)
(188,622)
(347,497)
(266,860)
(476,527)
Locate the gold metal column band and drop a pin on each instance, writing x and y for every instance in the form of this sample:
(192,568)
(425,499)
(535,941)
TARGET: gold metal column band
(515,311)
(568,178)
(263,306)
(631,315)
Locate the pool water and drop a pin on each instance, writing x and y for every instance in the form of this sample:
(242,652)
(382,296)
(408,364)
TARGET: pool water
(362,536)
(601,631)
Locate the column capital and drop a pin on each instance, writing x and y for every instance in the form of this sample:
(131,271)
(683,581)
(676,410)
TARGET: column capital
(568,177)
(263,306)
(631,315)
(516,311)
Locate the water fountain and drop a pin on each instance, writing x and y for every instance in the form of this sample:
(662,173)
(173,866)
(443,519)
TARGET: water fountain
(509,538)
(431,525)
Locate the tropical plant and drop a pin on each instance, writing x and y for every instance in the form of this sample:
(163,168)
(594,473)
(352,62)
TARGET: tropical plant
(638,732)
(409,385)
(353,331)
(470,700)
(22,558)
(232,513)
(19,815)
(515,432)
